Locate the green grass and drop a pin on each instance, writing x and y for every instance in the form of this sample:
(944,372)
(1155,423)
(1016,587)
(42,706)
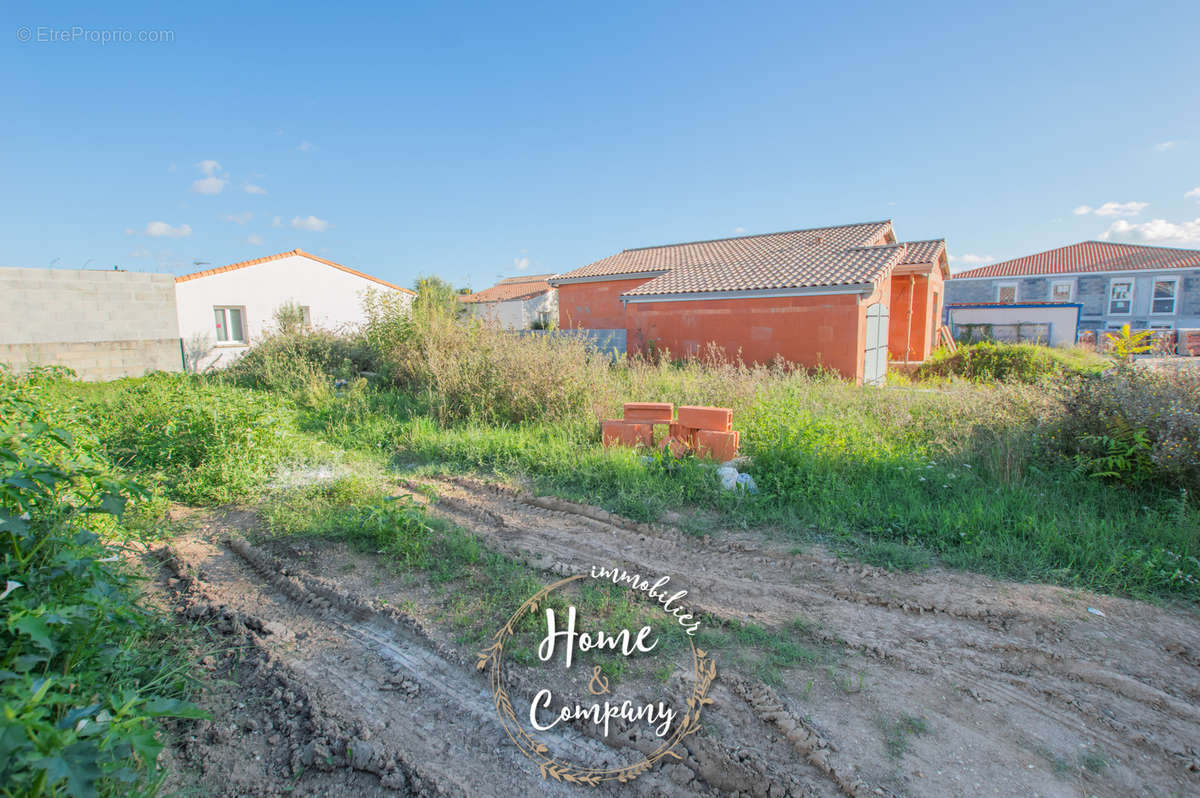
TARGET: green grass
(85,670)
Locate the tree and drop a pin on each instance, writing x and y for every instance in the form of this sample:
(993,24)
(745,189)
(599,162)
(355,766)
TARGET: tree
(435,296)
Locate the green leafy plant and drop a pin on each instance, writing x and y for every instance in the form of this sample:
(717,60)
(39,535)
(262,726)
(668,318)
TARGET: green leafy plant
(79,699)
(1126,343)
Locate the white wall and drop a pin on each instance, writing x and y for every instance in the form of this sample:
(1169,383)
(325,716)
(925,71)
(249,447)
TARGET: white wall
(518,314)
(1062,320)
(333,296)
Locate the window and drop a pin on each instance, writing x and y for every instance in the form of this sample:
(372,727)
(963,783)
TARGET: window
(1006,293)
(230,329)
(1162,301)
(1062,290)
(1120,297)
(306,315)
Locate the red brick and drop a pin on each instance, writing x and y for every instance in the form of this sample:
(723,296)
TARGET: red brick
(719,419)
(615,432)
(717,445)
(685,434)
(653,412)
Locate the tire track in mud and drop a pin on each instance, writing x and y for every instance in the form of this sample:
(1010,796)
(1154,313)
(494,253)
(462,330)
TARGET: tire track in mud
(1030,654)
(376,669)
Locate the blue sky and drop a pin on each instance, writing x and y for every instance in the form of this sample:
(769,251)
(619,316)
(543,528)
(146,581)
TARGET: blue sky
(479,141)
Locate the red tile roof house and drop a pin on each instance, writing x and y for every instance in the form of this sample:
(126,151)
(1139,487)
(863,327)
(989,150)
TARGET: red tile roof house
(516,303)
(846,298)
(226,310)
(1114,284)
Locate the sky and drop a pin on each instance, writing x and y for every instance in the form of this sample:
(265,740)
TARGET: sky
(480,141)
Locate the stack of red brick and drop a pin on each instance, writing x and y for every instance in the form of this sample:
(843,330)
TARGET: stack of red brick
(707,431)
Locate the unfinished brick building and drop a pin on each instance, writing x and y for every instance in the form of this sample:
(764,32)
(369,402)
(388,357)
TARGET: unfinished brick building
(847,298)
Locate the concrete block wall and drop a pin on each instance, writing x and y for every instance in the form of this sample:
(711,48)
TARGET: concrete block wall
(102,324)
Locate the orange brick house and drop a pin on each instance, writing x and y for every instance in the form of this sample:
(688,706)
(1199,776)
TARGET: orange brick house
(847,298)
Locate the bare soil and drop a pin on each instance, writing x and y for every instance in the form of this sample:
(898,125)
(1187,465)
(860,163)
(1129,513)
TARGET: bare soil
(331,674)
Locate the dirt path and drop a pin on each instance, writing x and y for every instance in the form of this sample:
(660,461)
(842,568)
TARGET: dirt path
(1021,689)
(324,689)
(943,684)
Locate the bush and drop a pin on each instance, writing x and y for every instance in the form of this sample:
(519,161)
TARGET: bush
(993,362)
(81,683)
(299,358)
(1134,426)
(208,442)
(465,369)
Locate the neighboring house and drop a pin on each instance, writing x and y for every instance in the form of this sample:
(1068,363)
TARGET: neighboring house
(101,324)
(846,298)
(517,303)
(1046,323)
(1148,288)
(223,311)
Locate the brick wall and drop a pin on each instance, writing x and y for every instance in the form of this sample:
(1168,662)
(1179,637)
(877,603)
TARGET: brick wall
(102,324)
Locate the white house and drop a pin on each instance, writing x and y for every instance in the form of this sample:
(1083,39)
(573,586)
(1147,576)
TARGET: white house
(223,311)
(517,303)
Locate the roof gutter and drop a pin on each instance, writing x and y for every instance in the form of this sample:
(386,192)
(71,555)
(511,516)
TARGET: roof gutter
(607,278)
(700,296)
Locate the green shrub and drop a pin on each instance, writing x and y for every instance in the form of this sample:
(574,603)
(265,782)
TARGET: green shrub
(297,359)
(1134,426)
(465,369)
(207,442)
(994,362)
(81,683)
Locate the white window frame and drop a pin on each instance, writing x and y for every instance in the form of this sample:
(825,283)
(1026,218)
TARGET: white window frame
(1174,295)
(1113,283)
(224,311)
(1162,325)
(1070,284)
(1013,286)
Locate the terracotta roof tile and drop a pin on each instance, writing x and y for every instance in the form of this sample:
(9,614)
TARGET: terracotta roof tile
(802,266)
(512,288)
(732,251)
(923,251)
(243,264)
(1089,256)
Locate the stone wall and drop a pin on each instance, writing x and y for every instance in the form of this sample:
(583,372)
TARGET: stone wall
(101,324)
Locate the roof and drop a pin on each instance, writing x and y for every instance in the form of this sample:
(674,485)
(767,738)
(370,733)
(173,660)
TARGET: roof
(732,253)
(295,252)
(512,288)
(923,251)
(1089,256)
(800,267)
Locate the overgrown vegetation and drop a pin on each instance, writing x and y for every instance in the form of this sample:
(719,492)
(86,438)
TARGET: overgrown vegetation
(987,361)
(84,671)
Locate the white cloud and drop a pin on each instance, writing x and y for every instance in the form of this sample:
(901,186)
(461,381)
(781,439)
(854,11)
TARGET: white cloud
(521,264)
(305,146)
(971,259)
(164,230)
(310,223)
(739,229)
(1113,209)
(1193,194)
(254,240)
(129,231)
(1163,146)
(277,221)
(171,169)
(213,181)
(250,188)
(140,252)
(209,185)
(239,218)
(1156,231)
